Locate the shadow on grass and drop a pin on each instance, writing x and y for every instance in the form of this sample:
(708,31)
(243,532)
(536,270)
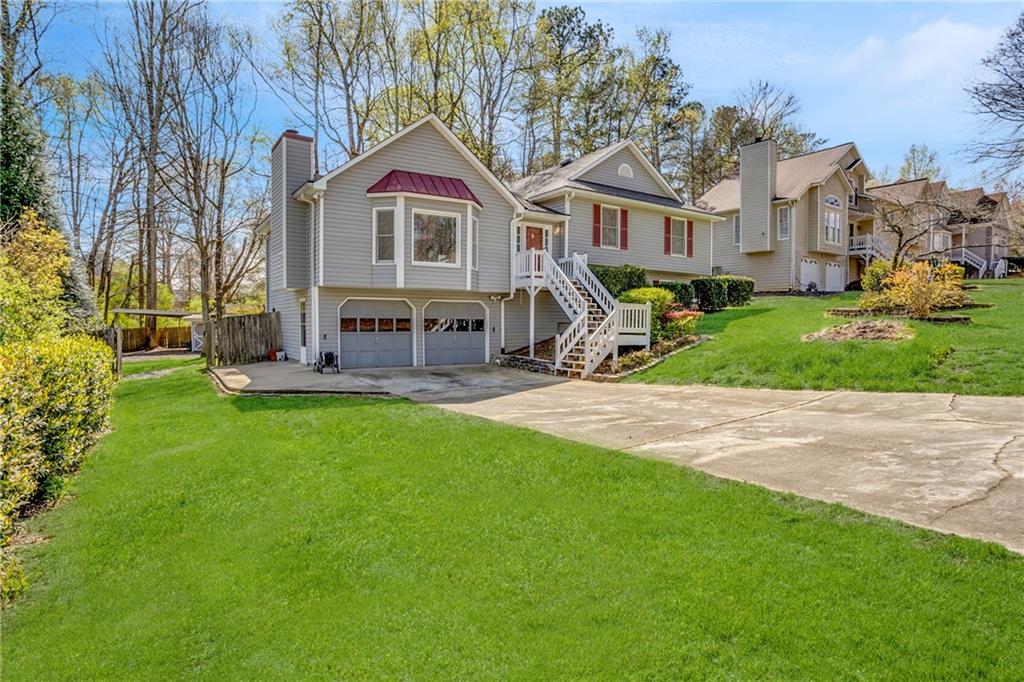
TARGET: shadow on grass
(311,401)
(714,323)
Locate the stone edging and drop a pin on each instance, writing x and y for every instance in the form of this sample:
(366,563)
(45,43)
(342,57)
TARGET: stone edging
(656,361)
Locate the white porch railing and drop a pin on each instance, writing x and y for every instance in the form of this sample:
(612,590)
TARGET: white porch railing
(635,318)
(1000,269)
(869,245)
(965,255)
(585,276)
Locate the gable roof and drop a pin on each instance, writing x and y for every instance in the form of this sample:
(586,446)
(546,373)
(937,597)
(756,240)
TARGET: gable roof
(565,175)
(425,184)
(902,191)
(793,177)
(320,183)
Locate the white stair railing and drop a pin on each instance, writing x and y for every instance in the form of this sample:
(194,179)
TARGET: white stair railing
(1000,270)
(601,342)
(585,276)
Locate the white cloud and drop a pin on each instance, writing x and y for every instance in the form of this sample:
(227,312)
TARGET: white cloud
(941,53)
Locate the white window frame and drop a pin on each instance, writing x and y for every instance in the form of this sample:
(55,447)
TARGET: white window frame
(737,230)
(618,228)
(303,324)
(458,238)
(789,222)
(834,201)
(475,256)
(672,239)
(394,227)
(838,217)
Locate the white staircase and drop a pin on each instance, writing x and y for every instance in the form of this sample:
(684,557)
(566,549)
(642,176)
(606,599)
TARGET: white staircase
(870,247)
(599,323)
(968,257)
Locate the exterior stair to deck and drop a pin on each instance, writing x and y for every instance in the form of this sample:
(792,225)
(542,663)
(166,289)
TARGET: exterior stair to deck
(599,323)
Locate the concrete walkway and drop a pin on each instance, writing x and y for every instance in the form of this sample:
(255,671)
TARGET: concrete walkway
(950,463)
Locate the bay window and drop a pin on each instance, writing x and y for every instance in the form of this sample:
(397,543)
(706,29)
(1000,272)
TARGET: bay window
(435,238)
(383,235)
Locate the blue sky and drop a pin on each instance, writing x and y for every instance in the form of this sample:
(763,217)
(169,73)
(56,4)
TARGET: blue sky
(883,75)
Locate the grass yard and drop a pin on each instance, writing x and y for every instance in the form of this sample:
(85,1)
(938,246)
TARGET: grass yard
(759,346)
(157,364)
(314,537)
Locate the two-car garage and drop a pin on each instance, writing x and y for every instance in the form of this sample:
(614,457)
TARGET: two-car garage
(381,333)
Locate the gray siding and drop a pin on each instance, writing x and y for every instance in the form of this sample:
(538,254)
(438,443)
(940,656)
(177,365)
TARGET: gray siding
(607,173)
(757,190)
(348,219)
(549,319)
(275,241)
(646,241)
(298,159)
(286,302)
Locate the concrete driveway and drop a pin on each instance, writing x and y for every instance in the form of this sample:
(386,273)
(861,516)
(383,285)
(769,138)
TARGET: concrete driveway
(950,463)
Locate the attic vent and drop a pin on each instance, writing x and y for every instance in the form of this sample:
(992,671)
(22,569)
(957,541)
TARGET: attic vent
(565,162)
(625,170)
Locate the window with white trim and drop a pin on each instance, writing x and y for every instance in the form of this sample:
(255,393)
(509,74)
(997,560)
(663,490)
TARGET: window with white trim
(302,322)
(833,200)
(785,222)
(383,235)
(833,227)
(475,226)
(737,233)
(610,227)
(677,237)
(435,238)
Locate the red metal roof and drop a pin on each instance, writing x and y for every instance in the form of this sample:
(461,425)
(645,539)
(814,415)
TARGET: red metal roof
(422,183)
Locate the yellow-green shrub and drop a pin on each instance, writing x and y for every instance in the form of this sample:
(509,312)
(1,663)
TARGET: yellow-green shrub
(919,289)
(875,274)
(660,299)
(54,401)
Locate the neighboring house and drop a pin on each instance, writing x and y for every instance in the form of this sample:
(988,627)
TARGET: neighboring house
(812,222)
(413,253)
(787,222)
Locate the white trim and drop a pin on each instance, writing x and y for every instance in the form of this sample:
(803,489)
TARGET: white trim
(316,322)
(487,324)
(337,317)
(474,256)
(432,119)
(625,171)
(400,243)
(373,236)
(671,224)
(568,198)
(458,238)
(545,239)
(618,227)
(320,272)
(418,195)
(597,197)
(737,222)
(303,310)
(778,223)
(469,248)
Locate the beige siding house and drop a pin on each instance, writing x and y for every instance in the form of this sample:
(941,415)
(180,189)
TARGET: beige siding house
(414,254)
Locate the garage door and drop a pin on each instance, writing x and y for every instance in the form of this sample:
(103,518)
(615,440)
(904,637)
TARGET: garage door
(454,334)
(375,333)
(833,277)
(809,274)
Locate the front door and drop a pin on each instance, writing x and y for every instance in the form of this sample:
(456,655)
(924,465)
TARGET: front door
(534,238)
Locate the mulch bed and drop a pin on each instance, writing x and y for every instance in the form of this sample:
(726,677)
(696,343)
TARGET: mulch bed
(867,330)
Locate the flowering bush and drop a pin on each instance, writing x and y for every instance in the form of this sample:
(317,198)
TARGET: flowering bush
(875,275)
(681,323)
(919,289)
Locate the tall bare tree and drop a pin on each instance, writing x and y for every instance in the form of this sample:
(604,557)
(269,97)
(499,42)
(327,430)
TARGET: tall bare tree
(999,100)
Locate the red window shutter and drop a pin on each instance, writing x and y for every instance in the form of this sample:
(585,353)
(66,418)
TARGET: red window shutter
(668,236)
(597,224)
(689,239)
(623,229)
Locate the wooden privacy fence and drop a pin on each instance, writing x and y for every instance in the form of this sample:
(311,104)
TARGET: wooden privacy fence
(249,338)
(134,338)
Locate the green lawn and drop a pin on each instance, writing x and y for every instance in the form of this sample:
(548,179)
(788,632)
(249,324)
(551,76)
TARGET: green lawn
(156,364)
(759,345)
(314,537)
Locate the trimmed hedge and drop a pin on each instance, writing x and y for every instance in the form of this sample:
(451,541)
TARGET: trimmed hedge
(682,291)
(712,293)
(620,278)
(54,400)
(659,298)
(739,289)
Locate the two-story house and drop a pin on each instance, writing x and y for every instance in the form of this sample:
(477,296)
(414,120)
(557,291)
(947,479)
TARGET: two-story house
(413,253)
(787,221)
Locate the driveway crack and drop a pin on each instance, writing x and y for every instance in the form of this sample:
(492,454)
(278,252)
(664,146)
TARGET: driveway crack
(776,410)
(1004,475)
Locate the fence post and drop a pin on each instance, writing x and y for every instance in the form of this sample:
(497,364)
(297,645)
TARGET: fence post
(117,350)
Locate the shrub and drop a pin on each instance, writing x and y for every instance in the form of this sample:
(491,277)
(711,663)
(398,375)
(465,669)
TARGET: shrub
(875,274)
(634,360)
(919,289)
(681,291)
(54,400)
(712,293)
(739,290)
(660,299)
(620,278)
(681,323)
